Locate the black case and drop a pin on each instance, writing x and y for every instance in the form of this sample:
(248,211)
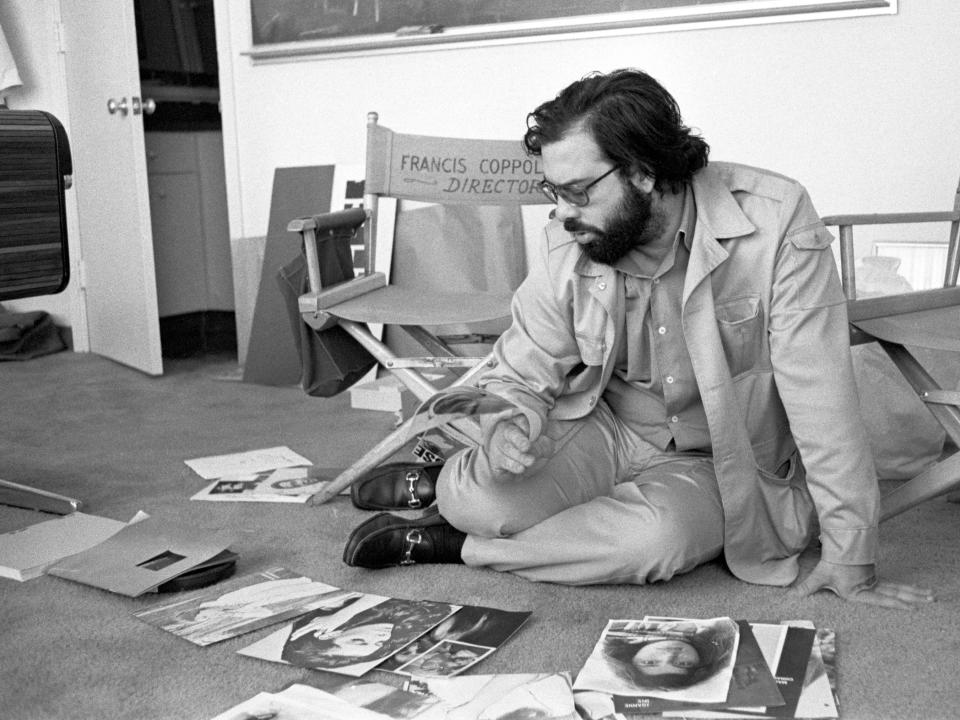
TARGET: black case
(34,164)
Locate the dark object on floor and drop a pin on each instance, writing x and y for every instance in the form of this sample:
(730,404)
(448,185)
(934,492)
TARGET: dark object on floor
(28,335)
(330,359)
(386,540)
(396,486)
(200,577)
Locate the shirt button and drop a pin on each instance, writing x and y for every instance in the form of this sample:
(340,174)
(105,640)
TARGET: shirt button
(674,419)
(669,379)
(656,281)
(602,285)
(662,330)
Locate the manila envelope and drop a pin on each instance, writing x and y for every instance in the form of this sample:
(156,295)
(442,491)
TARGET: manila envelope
(142,556)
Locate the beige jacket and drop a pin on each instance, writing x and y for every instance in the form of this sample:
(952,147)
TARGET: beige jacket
(765,322)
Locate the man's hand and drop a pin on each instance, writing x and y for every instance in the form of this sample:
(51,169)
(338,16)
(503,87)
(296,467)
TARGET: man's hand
(859,583)
(509,447)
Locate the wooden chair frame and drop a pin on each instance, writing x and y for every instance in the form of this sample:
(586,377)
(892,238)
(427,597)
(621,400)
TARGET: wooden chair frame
(886,320)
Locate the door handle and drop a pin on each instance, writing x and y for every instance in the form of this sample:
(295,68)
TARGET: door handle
(148,106)
(114,106)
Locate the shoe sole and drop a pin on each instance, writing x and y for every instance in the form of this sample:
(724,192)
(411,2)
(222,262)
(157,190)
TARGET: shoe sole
(380,522)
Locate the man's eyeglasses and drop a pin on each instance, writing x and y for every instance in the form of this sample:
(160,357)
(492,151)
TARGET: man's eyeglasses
(574,196)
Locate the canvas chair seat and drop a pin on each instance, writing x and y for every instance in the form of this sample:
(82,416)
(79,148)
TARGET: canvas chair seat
(935,328)
(397,305)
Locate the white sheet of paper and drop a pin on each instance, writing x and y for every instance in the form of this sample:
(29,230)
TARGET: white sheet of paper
(311,704)
(217,466)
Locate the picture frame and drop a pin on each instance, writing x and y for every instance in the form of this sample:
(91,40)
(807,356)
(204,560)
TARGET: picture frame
(283,29)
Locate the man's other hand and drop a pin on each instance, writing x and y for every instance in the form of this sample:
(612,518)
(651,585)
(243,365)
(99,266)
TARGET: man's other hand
(859,583)
(510,449)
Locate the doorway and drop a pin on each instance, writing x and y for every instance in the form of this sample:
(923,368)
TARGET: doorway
(179,87)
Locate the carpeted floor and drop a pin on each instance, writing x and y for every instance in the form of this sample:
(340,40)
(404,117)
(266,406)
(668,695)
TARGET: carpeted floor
(82,425)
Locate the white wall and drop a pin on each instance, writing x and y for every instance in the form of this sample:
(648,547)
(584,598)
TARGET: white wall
(31,27)
(862,110)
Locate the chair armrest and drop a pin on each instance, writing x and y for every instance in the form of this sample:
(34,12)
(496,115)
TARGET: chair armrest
(339,219)
(903,303)
(891,218)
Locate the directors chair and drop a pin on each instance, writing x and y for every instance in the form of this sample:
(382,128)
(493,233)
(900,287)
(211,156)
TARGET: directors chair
(427,169)
(919,319)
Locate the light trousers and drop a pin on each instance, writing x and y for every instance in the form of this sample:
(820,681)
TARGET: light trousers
(603,506)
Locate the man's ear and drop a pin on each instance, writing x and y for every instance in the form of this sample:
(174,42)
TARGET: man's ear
(642,181)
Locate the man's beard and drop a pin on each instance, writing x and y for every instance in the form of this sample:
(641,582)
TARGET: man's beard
(632,225)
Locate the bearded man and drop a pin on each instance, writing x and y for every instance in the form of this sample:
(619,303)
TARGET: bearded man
(680,367)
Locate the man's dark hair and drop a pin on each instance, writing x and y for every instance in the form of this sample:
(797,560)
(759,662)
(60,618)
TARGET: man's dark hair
(633,119)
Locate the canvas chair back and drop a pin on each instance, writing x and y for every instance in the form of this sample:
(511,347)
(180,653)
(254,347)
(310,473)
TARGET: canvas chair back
(446,171)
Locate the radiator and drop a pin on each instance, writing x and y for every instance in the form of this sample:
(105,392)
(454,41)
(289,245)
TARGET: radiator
(921,264)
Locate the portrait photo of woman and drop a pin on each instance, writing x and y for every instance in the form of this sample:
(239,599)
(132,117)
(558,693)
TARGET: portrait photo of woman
(362,641)
(668,658)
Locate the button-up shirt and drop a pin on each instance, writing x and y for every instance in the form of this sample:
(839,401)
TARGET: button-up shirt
(653,387)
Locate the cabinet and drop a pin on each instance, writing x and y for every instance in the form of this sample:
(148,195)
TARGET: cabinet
(188,209)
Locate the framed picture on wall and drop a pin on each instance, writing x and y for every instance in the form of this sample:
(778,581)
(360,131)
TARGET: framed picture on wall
(282,28)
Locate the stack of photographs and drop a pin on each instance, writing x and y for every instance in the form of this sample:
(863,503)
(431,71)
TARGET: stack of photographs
(540,696)
(709,668)
(337,630)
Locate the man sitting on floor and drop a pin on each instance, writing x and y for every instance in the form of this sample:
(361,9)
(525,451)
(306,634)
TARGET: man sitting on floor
(680,365)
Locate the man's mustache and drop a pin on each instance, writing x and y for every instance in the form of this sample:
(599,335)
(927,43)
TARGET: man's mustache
(572,225)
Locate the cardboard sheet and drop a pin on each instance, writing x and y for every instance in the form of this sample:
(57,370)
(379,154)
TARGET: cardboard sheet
(142,556)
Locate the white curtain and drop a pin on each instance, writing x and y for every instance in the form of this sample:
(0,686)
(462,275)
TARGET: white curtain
(9,77)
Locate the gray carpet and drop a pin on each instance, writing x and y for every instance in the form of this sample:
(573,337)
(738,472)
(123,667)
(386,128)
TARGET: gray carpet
(84,426)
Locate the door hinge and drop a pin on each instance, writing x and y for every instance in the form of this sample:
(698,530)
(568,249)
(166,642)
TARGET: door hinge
(81,274)
(61,33)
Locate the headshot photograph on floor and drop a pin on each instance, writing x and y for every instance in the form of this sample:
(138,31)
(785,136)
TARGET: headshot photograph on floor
(619,389)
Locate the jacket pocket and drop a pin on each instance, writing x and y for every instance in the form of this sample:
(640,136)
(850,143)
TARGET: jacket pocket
(788,504)
(741,332)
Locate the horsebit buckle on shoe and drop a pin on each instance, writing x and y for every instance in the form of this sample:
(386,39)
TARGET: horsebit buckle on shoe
(413,539)
(412,477)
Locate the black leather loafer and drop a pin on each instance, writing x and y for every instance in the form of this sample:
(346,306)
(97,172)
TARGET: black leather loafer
(396,486)
(387,540)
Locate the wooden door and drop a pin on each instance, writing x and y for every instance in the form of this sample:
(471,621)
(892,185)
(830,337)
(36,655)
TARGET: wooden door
(118,281)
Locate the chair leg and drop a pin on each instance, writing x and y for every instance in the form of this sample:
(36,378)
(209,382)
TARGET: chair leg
(373,457)
(936,480)
(414,381)
(466,430)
